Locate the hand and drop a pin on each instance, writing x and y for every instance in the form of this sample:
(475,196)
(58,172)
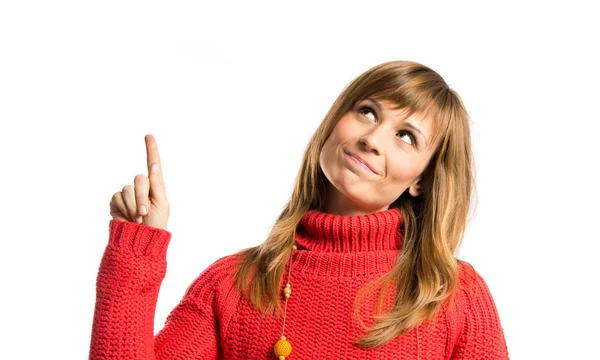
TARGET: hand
(147,191)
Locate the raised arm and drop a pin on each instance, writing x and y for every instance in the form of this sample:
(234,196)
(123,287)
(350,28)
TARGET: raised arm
(131,272)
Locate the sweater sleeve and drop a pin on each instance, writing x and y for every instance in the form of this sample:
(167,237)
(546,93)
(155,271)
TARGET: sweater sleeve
(482,337)
(127,286)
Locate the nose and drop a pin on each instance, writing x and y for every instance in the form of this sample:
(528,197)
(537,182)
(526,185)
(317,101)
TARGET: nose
(372,141)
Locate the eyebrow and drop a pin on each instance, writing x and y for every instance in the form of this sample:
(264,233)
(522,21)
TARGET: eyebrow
(380,109)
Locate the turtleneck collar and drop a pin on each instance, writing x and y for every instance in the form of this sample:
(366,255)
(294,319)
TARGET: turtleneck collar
(320,231)
(333,245)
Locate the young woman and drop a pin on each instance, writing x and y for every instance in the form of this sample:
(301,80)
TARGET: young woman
(366,242)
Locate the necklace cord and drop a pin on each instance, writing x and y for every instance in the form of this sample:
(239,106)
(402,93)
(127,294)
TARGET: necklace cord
(287,298)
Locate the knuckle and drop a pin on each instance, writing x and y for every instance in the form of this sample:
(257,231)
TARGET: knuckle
(128,188)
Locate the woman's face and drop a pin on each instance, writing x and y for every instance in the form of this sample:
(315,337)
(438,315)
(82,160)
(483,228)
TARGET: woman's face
(397,153)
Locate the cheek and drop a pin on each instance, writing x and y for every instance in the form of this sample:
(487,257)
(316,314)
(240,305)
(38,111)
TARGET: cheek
(344,130)
(341,136)
(404,170)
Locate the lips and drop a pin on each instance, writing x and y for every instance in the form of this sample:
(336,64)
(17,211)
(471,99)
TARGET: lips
(362,161)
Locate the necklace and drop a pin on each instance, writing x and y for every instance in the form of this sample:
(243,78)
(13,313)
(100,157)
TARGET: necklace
(282,347)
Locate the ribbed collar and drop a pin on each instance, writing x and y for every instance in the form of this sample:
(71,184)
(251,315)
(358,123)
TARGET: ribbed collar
(320,231)
(342,245)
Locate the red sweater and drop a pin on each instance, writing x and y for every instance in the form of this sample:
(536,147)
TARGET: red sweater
(336,256)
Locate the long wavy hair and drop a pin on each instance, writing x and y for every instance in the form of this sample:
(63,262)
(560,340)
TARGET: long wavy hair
(433,223)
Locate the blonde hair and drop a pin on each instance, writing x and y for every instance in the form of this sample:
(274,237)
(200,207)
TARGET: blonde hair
(426,271)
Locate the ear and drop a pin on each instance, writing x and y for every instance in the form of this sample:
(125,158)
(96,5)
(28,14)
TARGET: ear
(415,188)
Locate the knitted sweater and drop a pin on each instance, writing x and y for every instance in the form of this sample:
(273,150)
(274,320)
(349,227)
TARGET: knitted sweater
(336,256)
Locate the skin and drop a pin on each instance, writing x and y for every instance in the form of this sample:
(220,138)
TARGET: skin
(145,202)
(383,139)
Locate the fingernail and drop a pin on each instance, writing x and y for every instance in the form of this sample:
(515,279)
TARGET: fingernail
(142,209)
(153,169)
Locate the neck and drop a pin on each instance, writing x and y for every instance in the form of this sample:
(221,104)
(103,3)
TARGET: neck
(339,204)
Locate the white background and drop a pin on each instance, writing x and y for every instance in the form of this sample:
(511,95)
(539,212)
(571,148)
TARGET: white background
(233,92)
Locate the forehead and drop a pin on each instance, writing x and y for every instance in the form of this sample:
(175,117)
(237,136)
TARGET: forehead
(391,109)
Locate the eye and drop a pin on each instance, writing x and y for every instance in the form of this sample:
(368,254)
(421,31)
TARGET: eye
(412,137)
(368,109)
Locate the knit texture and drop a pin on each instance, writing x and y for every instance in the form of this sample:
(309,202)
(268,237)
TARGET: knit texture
(337,255)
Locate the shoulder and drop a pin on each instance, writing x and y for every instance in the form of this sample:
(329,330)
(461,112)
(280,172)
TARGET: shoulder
(214,293)
(470,280)
(469,283)
(473,287)
(215,284)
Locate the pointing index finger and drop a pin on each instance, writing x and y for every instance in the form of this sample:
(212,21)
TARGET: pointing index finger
(153,159)
(152,153)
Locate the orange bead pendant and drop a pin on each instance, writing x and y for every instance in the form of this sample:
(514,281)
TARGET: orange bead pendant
(282,348)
